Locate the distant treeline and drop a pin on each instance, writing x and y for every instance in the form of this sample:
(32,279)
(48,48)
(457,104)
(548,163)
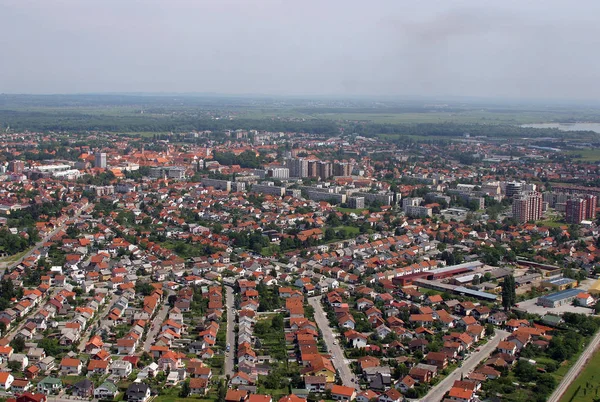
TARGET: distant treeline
(449,129)
(76,122)
(82,122)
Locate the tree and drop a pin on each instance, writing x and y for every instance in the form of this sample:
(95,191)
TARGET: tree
(18,344)
(185,389)
(476,280)
(509,295)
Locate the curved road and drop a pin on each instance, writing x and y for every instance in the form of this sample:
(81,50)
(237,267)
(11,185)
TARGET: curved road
(576,369)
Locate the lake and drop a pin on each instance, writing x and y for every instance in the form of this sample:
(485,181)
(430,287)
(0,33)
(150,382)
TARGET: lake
(567,126)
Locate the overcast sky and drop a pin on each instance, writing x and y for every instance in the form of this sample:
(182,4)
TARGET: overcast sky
(505,48)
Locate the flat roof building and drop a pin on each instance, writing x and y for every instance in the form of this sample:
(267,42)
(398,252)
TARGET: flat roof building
(558,299)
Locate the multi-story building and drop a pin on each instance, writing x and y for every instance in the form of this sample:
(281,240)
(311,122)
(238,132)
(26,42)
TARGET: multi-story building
(356,202)
(590,208)
(527,206)
(268,189)
(342,169)
(278,173)
(100,160)
(298,167)
(575,210)
(513,188)
(217,184)
(16,166)
(324,170)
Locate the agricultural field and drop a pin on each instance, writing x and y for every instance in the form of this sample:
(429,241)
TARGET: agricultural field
(586,387)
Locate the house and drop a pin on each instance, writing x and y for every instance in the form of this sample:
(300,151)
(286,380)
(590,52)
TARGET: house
(20,385)
(365,396)
(106,390)
(98,367)
(121,368)
(500,318)
(405,384)
(321,366)
(460,394)
(30,397)
(259,398)
(508,347)
(198,386)
(49,385)
(234,395)
(391,395)
(584,299)
(420,375)
(126,346)
(356,339)
(315,384)
(6,380)
(437,359)
(70,366)
(137,392)
(83,388)
(241,378)
(342,393)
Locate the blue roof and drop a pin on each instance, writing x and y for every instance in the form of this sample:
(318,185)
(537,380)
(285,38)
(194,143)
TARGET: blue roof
(561,295)
(561,281)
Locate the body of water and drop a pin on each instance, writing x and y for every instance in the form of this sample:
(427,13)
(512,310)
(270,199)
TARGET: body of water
(567,126)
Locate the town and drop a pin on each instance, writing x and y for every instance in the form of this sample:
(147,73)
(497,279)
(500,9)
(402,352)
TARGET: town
(259,266)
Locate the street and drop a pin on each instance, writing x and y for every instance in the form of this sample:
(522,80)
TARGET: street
(156,323)
(229,310)
(99,316)
(8,266)
(576,369)
(469,364)
(337,354)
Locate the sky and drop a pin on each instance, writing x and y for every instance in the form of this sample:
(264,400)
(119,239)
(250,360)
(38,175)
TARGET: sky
(536,49)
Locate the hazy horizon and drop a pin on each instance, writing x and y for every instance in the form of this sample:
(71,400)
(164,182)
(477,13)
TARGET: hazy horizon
(388,49)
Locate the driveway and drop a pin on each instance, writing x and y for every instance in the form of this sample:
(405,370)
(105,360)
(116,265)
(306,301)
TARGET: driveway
(469,364)
(336,352)
(230,311)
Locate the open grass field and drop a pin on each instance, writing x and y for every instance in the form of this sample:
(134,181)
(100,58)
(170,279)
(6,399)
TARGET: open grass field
(551,223)
(350,210)
(586,386)
(586,155)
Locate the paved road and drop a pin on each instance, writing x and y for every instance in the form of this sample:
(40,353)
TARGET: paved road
(576,369)
(229,309)
(15,330)
(337,354)
(156,323)
(100,316)
(4,266)
(469,364)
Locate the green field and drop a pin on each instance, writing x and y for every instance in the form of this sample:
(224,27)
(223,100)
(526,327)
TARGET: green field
(350,210)
(586,386)
(551,223)
(586,155)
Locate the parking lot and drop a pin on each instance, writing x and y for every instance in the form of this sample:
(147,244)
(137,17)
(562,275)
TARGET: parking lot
(529,306)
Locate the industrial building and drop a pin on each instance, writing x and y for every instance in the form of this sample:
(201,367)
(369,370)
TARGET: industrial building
(561,298)
(560,283)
